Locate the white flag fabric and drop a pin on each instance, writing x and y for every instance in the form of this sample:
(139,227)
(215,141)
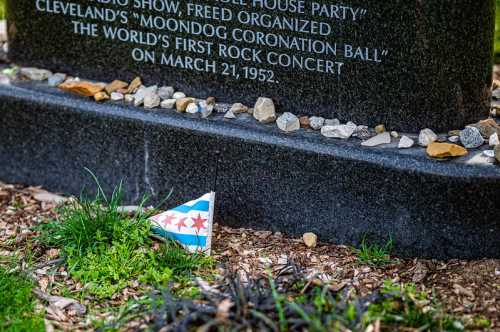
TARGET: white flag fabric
(190,224)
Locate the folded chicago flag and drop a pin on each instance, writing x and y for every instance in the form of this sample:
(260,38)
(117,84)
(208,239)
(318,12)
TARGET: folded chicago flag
(189,224)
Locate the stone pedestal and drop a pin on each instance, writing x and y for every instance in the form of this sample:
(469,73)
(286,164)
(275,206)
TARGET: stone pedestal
(264,179)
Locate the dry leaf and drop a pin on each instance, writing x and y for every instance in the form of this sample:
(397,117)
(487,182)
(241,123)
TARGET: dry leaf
(223,309)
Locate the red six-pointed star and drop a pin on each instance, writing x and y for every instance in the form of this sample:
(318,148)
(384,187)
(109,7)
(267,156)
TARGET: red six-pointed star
(169,218)
(199,223)
(181,223)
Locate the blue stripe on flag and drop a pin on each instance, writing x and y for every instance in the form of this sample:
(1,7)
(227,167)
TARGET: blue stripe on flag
(202,206)
(184,239)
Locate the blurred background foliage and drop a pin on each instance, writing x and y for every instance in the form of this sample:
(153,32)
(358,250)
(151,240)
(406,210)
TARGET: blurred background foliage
(497,34)
(497,26)
(2,9)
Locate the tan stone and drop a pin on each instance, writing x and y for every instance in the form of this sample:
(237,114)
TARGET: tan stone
(82,88)
(264,110)
(445,150)
(497,153)
(380,129)
(486,127)
(495,85)
(210,101)
(239,108)
(134,85)
(310,240)
(115,86)
(182,103)
(304,122)
(123,91)
(101,96)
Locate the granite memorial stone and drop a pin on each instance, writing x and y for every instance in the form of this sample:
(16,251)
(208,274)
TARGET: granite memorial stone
(407,64)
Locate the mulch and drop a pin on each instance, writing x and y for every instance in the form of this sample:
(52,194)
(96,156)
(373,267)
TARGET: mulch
(465,288)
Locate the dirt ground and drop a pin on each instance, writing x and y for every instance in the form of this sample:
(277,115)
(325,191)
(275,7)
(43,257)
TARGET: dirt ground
(465,288)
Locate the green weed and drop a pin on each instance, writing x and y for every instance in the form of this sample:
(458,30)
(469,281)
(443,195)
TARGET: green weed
(402,305)
(17,304)
(374,254)
(107,251)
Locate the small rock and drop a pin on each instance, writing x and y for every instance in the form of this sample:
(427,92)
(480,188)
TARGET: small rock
(131,209)
(221,108)
(494,113)
(380,129)
(332,122)
(304,122)
(211,101)
(152,101)
(192,108)
(4,80)
(489,153)
(11,71)
(129,98)
(471,138)
(144,92)
(316,122)
(56,79)
(383,138)
(426,137)
(486,127)
(115,86)
(116,96)
(229,115)
(454,133)
(182,103)
(179,95)
(310,240)
(46,197)
(352,124)
(238,108)
(339,131)
(206,109)
(168,103)
(166,92)
(288,122)
(454,139)
(495,85)
(264,110)
(394,134)
(445,150)
(134,85)
(494,139)
(81,88)
(363,133)
(496,94)
(405,142)
(101,96)
(35,74)
(497,153)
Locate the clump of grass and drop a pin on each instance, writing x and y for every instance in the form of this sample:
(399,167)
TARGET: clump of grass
(17,304)
(374,254)
(402,305)
(106,250)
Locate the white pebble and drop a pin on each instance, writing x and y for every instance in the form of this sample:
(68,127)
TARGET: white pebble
(179,95)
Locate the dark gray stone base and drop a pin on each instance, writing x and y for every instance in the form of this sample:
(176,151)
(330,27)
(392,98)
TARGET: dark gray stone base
(264,179)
